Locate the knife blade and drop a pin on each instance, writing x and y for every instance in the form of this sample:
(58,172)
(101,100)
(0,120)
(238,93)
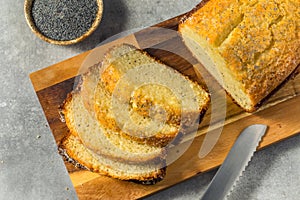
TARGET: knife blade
(235,163)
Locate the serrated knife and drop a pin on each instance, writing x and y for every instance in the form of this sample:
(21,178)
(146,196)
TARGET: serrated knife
(235,162)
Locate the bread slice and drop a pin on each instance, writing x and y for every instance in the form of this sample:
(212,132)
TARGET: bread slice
(250,47)
(148,173)
(132,84)
(103,141)
(124,58)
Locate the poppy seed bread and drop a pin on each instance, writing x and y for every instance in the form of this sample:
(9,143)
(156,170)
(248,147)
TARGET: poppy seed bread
(103,150)
(249,46)
(94,113)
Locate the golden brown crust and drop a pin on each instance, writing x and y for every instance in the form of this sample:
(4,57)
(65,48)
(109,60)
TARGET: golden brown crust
(195,9)
(202,19)
(63,112)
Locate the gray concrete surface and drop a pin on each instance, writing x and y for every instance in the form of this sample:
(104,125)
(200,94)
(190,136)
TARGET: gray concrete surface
(30,167)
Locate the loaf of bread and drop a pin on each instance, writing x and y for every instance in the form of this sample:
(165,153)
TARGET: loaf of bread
(249,46)
(129,81)
(145,91)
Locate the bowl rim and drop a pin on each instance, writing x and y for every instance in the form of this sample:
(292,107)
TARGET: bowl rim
(34,29)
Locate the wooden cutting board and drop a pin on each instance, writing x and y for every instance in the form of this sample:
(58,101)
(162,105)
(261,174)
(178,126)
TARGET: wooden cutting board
(280,112)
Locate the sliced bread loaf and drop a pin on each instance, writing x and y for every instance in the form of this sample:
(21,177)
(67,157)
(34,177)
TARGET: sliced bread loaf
(97,114)
(250,47)
(102,150)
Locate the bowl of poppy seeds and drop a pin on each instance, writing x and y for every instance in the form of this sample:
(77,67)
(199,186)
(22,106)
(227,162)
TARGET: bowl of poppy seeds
(63,22)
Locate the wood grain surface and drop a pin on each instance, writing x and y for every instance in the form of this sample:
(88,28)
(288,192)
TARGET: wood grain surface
(280,112)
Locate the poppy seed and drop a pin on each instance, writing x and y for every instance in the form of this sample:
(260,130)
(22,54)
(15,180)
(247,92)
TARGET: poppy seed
(64,19)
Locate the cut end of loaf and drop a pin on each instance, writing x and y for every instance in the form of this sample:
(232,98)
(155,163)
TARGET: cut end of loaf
(215,64)
(250,47)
